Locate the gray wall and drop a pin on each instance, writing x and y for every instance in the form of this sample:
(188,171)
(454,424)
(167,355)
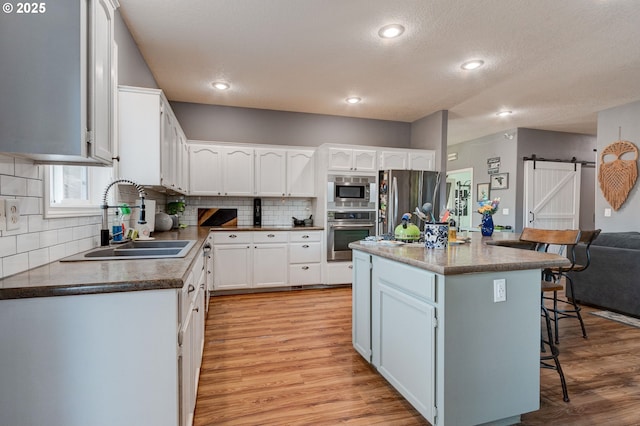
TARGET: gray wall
(250,125)
(430,132)
(525,142)
(475,154)
(132,68)
(624,119)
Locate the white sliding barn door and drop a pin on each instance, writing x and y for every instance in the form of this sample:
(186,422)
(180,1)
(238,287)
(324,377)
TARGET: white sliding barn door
(552,195)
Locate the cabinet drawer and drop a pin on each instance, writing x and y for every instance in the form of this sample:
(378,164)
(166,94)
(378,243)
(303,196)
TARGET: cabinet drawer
(304,252)
(232,237)
(270,237)
(302,236)
(304,274)
(406,278)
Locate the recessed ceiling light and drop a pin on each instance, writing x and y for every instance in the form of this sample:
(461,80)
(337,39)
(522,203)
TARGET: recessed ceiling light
(353,100)
(220,85)
(504,113)
(472,65)
(391,31)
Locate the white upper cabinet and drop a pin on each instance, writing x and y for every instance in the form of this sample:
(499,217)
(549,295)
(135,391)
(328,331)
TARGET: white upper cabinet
(406,159)
(300,173)
(271,172)
(67,117)
(393,160)
(150,138)
(346,159)
(237,171)
(205,169)
(422,160)
(220,170)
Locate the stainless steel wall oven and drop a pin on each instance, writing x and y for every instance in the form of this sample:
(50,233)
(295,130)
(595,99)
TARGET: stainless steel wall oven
(346,227)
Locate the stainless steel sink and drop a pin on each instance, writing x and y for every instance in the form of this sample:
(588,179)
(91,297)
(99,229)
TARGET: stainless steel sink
(151,249)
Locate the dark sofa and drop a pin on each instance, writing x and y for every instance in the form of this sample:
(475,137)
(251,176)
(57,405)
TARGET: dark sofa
(612,280)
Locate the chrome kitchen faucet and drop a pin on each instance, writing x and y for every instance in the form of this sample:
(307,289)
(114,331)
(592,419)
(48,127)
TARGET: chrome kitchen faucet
(104,232)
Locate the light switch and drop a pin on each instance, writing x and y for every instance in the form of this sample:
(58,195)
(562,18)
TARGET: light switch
(505,212)
(607,212)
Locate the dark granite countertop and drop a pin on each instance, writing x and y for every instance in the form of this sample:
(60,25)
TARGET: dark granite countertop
(109,276)
(74,278)
(481,254)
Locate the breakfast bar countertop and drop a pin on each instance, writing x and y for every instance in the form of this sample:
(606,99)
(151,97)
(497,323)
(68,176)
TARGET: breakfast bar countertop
(480,254)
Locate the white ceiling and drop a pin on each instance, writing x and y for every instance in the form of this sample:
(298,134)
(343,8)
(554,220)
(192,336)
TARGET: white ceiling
(554,63)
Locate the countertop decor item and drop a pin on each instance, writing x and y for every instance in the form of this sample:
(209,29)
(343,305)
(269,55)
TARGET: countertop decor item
(486,226)
(487,209)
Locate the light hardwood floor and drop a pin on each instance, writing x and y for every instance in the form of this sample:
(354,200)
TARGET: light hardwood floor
(286,359)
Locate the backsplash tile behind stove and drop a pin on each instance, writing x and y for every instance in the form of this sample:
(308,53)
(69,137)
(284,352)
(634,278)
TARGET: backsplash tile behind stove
(275,211)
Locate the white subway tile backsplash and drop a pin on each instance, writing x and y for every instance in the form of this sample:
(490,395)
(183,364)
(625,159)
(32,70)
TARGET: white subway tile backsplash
(7,246)
(64,235)
(36,223)
(48,238)
(38,257)
(28,242)
(7,165)
(26,168)
(30,205)
(34,188)
(11,185)
(15,264)
(56,252)
(71,248)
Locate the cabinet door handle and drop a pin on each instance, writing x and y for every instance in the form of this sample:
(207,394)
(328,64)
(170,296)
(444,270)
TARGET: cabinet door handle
(190,288)
(305,236)
(304,268)
(270,235)
(305,246)
(233,236)
(196,309)
(350,266)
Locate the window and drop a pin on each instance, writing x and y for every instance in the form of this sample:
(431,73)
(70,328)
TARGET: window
(74,190)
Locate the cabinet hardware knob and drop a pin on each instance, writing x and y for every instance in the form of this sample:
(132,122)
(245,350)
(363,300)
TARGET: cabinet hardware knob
(190,288)
(305,236)
(233,236)
(305,246)
(350,266)
(270,235)
(304,268)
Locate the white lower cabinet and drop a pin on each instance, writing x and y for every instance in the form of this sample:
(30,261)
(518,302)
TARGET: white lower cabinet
(305,255)
(244,260)
(339,272)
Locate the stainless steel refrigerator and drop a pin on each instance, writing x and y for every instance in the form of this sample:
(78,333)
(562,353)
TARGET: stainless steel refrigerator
(400,192)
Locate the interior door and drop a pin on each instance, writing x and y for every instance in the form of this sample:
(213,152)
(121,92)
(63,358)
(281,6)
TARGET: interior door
(552,195)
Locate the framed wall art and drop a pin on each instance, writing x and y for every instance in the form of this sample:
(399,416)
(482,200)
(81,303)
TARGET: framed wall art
(500,181)
(482,191)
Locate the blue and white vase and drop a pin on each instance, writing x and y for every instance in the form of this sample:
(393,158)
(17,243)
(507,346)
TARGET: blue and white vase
(486,227)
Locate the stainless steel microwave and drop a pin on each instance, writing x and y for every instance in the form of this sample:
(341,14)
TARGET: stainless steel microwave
(351,192)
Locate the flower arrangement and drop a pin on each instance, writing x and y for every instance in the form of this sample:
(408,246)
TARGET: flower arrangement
(488,206)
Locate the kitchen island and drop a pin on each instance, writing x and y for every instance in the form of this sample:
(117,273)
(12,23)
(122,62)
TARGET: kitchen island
(433,323)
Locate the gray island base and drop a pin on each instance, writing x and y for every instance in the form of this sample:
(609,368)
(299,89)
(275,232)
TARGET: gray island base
(428,322)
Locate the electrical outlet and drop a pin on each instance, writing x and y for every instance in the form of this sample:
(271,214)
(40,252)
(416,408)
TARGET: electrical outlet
(607,212)
(499,290)
(12,212)
(3,217)
(505,212)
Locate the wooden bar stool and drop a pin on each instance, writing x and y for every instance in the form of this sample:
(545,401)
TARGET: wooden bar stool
(573,309)
(541,240)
